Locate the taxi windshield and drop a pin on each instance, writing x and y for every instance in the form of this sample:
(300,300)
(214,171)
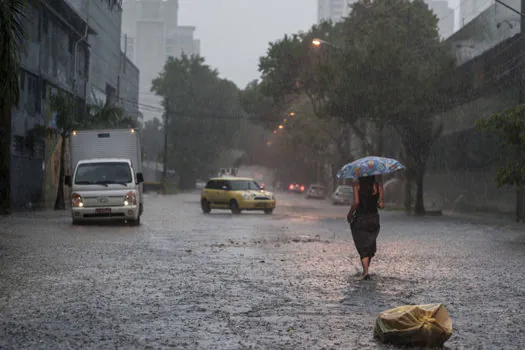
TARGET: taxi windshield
(244,185)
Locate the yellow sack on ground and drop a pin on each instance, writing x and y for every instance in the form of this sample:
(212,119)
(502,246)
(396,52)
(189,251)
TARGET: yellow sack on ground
(414,325)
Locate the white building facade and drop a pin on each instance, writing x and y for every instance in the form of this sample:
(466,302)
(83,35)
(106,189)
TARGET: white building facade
(333,10)
(470,9)
(445,16)
(151,34)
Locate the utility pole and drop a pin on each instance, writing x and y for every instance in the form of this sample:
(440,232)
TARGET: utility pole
(165,155)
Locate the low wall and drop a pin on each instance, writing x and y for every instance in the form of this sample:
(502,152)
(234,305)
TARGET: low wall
(478,188)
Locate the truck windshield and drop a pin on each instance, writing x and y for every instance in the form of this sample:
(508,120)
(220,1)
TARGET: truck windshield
(103,174)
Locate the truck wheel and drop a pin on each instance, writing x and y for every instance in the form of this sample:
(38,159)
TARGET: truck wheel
(205,206)
(234,206)
(268,211)
(135,222)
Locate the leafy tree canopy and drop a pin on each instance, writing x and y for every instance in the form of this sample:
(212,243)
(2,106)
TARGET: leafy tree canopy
(509,126)
(204,114)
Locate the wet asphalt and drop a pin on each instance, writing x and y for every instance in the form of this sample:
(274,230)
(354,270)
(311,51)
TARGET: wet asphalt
(185,280)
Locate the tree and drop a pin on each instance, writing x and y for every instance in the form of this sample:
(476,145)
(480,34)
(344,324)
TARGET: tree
(203,114)
(259,107)
(107,115)
(509,126)
(152,139)
(382,67)
(12,15)
(67,117)
(398,74)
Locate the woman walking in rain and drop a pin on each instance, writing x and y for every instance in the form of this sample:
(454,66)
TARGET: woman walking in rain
(364,218)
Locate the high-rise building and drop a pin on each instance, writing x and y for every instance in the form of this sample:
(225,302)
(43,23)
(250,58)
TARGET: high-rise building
(151,34)
(445,16)
(470,9)
(333,10)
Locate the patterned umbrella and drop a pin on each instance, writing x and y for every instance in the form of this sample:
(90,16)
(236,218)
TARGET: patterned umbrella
(369,166)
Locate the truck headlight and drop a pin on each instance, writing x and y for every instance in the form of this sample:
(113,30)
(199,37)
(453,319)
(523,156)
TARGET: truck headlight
(130,199)
(76,201)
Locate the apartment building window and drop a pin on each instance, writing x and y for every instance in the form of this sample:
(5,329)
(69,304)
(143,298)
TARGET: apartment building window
(32,94)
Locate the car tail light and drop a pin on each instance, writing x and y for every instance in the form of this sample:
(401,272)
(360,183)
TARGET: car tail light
(302,188)
(290,187)
(76,200)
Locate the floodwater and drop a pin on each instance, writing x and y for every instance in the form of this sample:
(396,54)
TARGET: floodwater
(288,281)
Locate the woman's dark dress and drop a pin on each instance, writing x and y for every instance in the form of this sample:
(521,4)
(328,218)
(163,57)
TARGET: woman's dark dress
(365,227)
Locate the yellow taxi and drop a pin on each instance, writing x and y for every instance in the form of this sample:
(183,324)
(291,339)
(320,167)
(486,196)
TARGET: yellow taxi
(236,194)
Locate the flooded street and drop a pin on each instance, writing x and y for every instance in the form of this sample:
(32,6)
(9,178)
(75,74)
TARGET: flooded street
(287,281)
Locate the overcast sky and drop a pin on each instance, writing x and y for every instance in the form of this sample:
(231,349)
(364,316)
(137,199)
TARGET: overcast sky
(235,33)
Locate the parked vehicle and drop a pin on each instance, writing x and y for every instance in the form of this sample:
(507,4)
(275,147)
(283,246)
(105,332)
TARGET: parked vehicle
(106,182)
(343,195)
(316,191)
(296,188)
(236,194)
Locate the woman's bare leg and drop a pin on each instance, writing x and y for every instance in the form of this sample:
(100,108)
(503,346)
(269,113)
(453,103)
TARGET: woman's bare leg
(366,263)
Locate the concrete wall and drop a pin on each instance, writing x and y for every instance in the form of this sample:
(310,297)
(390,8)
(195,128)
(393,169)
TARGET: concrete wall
(47,63)
(105,46)
(129,87)
(492,26)
(464,161)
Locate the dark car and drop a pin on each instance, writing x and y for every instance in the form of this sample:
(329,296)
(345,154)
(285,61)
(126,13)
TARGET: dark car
(316,191)
(343,195)
(296,188)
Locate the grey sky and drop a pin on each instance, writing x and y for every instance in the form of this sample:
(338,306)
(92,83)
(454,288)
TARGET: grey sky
(235,33)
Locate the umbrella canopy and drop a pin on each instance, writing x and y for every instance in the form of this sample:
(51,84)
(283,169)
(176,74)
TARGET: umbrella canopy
(369,166)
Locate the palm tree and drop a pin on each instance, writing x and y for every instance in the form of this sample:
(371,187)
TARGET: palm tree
(12,15)
(108,115)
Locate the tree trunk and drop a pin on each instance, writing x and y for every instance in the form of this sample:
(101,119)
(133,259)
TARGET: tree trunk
(419,208)
(520,204)
(60,202)
(5,160)
(380,139)
(408,194)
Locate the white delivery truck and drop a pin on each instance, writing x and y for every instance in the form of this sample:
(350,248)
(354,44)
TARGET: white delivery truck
(106,178)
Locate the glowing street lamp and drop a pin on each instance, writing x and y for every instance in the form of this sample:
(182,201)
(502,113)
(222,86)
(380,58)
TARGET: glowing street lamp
(281,126)
(292,114)
(317,42)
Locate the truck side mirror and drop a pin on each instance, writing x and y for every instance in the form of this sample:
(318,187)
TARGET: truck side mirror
(67,180)
(140,178)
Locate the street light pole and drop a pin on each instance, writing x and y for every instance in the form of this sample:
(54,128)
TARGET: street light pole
(165,155)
